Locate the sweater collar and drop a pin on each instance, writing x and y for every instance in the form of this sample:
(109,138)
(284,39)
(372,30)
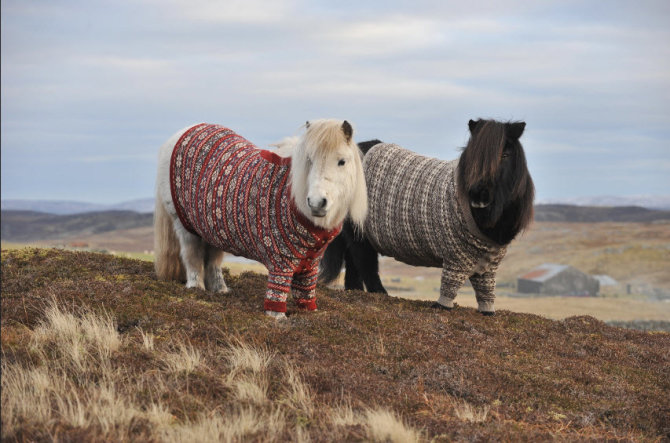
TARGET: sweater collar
(274,158)
(319,232)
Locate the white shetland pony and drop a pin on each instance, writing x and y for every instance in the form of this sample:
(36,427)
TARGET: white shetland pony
(217,192)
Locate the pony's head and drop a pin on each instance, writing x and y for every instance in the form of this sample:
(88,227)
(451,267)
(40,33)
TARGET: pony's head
(493,175)
(327,181)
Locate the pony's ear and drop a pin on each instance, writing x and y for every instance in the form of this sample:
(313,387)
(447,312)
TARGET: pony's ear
(472,125)
(348,130)
(515,130)
(307,124)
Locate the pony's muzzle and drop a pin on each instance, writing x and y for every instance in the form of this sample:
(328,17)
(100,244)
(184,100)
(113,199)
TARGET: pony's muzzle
(479,205)
(317,206)
(481,196)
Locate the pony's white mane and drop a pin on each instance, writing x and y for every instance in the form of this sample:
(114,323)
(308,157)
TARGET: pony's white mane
(322,145)
(285,147)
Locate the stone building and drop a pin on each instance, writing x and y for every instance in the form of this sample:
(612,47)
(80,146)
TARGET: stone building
(554,279)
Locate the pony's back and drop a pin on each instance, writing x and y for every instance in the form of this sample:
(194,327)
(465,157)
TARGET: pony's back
(404,212)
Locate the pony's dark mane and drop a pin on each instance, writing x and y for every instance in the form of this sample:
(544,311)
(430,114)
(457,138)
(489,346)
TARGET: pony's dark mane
(365,146)
(481,157)
(492,168)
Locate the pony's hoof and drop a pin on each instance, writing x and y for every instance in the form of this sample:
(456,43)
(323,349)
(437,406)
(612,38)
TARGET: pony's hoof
(436,305)
(195,285)
(488,313)
(223,290)
(276,315)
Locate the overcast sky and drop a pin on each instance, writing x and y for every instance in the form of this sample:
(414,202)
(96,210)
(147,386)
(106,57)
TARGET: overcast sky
(90,89)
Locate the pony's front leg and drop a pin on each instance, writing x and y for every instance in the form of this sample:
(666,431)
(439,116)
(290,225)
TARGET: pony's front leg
(192,253)
(450,282)
(304,289)
(484,286)
(279,286)
(213,274)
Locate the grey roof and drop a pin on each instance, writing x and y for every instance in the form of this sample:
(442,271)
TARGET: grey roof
(544,272)
(605,280)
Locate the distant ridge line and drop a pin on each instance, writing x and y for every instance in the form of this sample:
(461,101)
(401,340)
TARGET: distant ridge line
(596,214)
(555,212)
(70,207)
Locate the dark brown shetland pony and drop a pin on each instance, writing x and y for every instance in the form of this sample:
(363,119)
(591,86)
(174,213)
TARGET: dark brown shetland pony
(492,172)
(492,176)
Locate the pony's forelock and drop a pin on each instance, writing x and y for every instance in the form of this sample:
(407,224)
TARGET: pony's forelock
(481,157)
(323,136)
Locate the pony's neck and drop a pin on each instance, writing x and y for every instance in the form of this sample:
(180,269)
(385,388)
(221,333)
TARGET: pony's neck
(506,228)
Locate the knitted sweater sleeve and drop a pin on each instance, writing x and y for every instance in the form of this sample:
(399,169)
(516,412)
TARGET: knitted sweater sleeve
(304,288)
(452,279)
(484,283)
(484,286)
(304,283)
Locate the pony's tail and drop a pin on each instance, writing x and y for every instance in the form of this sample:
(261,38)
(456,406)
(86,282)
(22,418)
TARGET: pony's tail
(167,263)
(333,258)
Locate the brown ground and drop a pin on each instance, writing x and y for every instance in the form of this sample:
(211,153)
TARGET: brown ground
(539,379)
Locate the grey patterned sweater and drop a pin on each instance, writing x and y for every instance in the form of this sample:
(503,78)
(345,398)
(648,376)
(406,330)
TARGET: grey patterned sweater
(416,216)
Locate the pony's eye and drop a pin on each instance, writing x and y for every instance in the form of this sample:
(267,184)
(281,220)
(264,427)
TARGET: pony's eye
(341,162)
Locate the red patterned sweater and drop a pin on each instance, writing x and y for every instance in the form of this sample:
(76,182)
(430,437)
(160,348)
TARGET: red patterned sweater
(238,198)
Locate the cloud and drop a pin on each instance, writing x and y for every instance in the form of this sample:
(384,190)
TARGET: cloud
(256,12)
(116,158)
(383,36)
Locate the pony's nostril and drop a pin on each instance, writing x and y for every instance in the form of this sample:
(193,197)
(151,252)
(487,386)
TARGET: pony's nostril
(317,203)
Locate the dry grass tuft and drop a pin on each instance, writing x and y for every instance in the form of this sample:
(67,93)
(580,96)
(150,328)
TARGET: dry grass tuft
(243,358)
(466,412)
(247,377)
(380,424)
(185,359)
(77,337)
(147,340)
(208,428)
(383,425)
(297,395)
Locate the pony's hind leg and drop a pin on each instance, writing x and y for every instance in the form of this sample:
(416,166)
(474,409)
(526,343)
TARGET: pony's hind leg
(192,253)
(362,261)
(352,279)
(213,274)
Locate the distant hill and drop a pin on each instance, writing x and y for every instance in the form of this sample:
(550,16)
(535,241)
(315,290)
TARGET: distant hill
(65,207)
(592,214)
(26,226)
(146,205)
(644,201)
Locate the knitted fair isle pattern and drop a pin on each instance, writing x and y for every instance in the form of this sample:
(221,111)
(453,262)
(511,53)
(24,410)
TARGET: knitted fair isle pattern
(416,216)
(238,199)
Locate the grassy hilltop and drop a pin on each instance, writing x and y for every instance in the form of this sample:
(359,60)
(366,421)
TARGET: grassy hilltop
(95,348)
